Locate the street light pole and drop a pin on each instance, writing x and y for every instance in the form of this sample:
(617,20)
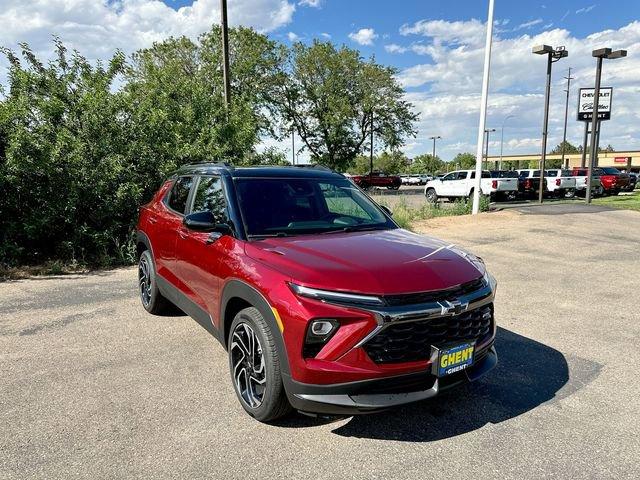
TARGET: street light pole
(483,108)
(433,155)
(486,147)
(225,53)
(552,55)
(600,54)
(293,147)
(502,138)
(566,113)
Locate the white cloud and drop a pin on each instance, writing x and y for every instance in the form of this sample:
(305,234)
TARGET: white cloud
(395,48)
(529,24)
(325,35)
(310,3)
(441,31)
(98,28)
(364,36)
(292,37)
(585,9)
(446,89)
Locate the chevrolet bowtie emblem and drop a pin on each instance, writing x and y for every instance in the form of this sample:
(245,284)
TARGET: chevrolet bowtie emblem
(453,307)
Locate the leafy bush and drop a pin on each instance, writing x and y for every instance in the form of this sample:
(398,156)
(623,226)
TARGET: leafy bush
(405,215)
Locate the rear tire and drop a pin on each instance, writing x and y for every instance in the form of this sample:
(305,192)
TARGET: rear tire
(150,296)
(255,367)
(570,193)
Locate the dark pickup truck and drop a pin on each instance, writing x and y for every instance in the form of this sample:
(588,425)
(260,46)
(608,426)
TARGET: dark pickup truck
(613,180)
(377,179)
(528,182)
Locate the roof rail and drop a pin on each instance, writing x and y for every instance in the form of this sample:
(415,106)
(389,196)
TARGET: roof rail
(315,166)
(210,164)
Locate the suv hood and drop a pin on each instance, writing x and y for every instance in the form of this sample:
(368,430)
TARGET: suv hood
(377,262)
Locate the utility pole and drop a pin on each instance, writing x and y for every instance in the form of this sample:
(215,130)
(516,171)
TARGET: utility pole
(371,150)
(566,113)
(583,160)
(225,53)
(486,147)
(434,138)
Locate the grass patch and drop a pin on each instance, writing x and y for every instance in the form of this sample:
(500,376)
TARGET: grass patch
(404,215)
(626,202)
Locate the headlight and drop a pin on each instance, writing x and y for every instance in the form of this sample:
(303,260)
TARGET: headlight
(491,281)
(335,297)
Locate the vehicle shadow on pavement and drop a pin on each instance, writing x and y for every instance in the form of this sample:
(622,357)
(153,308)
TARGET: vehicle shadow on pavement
(528,374)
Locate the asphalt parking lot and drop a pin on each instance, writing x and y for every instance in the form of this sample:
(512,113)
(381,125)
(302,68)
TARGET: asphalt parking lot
(93,387)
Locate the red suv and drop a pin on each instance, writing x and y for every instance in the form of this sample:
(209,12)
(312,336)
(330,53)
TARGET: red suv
(323,303)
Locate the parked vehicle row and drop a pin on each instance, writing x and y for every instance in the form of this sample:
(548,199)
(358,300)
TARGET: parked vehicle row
(418,179)
(461,184)
(525,183)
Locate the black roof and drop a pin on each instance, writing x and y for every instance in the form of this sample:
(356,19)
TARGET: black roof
(295,171)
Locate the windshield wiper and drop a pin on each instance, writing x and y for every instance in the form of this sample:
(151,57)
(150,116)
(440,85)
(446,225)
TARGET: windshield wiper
(355,228)
(269,235)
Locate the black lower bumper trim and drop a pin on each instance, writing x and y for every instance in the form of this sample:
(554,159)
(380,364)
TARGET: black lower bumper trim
(374,395)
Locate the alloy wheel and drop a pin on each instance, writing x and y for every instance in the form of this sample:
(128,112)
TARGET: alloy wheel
(144,279)
(247,359)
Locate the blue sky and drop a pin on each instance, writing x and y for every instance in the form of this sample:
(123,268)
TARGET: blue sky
(437,47)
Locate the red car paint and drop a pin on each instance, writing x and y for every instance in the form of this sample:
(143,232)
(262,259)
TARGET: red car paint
(613,181)
(377,179)
(380,262)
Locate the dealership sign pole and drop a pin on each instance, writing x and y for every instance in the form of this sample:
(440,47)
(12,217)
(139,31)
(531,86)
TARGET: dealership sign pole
(483,110)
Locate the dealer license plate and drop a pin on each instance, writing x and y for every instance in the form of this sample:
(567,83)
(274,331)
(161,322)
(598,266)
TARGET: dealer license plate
(454,359)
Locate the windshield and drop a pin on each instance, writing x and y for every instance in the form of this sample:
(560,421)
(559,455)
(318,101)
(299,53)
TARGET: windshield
(611,171)
(291,206)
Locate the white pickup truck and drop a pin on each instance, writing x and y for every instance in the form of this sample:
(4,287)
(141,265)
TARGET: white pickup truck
(561,183)
(460,184)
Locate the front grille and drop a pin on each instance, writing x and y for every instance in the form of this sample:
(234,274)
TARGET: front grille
(437,296)
(411,341)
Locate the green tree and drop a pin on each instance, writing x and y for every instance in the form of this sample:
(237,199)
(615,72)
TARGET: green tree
(427,164)
(568,148)
(391,163)
(65,188)
(334,99)
(464,161)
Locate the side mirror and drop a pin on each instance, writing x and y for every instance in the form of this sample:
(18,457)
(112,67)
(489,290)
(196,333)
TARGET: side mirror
(387,210)
(205,222)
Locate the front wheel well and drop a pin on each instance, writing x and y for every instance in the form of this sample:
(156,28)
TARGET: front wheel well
(234,305)
(140,247)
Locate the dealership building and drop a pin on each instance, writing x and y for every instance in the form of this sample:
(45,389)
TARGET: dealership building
(624,160)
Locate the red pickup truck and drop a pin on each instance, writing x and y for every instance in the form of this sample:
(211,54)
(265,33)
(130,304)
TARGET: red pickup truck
(612,179)
(377,179)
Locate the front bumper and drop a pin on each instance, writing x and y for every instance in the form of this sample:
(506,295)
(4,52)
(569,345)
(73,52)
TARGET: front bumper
(373,395)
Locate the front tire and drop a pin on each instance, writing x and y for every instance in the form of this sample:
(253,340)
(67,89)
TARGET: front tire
(152,300)
(255,367)
(431,195)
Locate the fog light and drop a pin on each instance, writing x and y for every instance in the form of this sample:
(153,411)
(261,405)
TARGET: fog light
(319,332)
(321,327)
